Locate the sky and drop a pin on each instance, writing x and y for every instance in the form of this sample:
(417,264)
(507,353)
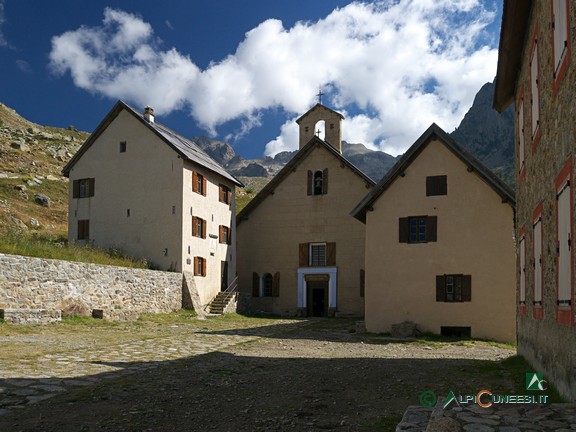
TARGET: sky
(244,71)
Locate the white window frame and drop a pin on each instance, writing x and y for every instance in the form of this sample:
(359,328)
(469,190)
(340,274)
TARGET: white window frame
(537,236)
(560,33)
(534,89)
(564,230)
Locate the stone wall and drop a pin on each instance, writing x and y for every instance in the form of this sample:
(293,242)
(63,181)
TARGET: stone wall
(546,341)
(79,288)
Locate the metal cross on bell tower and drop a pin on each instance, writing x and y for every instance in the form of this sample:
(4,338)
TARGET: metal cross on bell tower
(319,95)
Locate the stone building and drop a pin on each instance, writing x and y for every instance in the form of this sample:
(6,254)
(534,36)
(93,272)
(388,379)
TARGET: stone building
(439,244)
(299,250)
(139,187)
(535,73)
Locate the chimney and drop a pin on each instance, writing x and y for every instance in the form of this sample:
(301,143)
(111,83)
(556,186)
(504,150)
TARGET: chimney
(149,114)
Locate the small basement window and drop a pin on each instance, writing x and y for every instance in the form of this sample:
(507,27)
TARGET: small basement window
(458,332)
(122,146)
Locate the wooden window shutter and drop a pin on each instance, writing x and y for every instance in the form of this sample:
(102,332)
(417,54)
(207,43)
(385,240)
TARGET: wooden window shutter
(303,254)
(76,189)
(431,228)
(442,185)
(362,282)
(203,267)
(331,254)
(221,193)
(229,236)
(203,228)
(309,187)
(194,181)
(430,186)
(404,229)
(203,185)
(466,288)
(195,266)
(229,192)
(194,226)
(255,285)
(91,184)
(440,288)
(221,234)
(276,285)
(325,181)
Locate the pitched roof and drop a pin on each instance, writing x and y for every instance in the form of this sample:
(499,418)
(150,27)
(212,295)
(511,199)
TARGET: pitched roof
(433,132)
(187,149)
(318,105)
(290,166)
(515,15)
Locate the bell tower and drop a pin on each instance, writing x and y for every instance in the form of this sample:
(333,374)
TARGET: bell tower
(332,126)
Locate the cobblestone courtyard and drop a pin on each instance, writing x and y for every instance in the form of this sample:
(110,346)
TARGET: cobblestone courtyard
(228,374)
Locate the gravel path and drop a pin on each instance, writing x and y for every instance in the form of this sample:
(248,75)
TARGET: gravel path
(250,375)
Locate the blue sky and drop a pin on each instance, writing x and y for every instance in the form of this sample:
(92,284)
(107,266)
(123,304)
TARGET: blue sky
(243,71)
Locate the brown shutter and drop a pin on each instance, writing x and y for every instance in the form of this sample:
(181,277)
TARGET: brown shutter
(431,224)
(203,266)
(404,229)
(195,266)
(309,188)
(276,285)
(91,184)
(194,226)
(466,288)
(221,193)
(220,233)
(76,189)
(440,289)
(194,181)
(442,185)
(303,254)
(203,228)
(362,282)
(430,186)
(255,285)
(229,193)
(203,185)
(325,181)
(331,254)
(229,236)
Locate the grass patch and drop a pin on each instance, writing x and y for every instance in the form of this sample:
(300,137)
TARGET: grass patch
(387,424)
(57,247)
(80,320)
(183,316)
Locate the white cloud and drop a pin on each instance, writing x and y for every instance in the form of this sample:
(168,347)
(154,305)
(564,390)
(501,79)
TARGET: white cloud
(3,42)
(407,64)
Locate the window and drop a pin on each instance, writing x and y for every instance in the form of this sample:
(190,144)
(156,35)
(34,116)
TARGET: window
(453,288)
(457,332)
(522,270)
(225,195)
(198,227)
(83,188)
(564,251)
(362,282)
(537,237)
(83,229)
(198,183)
(418,229)
(199,266)
(535,92)
(267,284)
(561,40)
(520,132)
(122,146)
(127,212)
(317,254)
(224,234)
(436,185)
(318,182)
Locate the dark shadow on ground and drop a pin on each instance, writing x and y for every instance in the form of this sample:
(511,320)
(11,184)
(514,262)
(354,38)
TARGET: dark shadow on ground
(249,389)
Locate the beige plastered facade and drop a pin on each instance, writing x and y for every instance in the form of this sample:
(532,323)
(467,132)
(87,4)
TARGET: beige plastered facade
(474,237)
(154,183)
(268,240)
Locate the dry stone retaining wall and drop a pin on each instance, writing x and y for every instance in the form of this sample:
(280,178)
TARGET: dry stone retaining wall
(79,288)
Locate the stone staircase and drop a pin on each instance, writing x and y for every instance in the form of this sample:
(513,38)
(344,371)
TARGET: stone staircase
(224,302)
